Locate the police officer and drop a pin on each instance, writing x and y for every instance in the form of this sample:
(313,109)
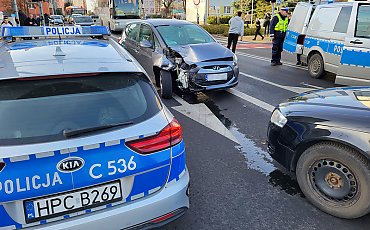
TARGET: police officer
(278,28)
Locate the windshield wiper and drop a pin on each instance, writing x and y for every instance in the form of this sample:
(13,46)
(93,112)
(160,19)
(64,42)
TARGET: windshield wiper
(75,132)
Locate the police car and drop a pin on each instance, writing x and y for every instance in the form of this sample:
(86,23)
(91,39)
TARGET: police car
(333,38)
(85,141)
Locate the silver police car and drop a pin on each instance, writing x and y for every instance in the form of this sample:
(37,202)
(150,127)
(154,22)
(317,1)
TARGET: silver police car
(85,141)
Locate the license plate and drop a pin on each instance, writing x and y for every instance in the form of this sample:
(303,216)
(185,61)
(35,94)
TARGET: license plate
(64,203)
(216,77)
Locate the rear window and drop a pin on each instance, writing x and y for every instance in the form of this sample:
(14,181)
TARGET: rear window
(83,19)
(39,110)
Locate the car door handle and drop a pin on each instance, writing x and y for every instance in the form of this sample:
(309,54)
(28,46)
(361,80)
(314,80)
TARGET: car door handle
(357,42)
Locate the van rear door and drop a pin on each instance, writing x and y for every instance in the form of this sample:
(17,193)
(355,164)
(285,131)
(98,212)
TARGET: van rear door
(297,28)
(354,67)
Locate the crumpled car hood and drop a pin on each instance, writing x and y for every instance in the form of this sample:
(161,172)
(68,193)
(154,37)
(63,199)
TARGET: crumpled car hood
(202,52)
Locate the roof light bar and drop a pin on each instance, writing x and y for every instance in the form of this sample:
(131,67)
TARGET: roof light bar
(53,31)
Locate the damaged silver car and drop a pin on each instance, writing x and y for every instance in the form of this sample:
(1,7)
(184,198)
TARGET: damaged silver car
(180,53)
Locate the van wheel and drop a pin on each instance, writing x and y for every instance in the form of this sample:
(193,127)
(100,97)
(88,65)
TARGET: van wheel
(165,84)
(316,66)
(335,179)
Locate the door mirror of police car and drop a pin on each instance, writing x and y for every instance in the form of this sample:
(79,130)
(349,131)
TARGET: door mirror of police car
(146,44)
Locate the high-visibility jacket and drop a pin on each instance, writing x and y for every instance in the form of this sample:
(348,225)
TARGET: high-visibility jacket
(282,25)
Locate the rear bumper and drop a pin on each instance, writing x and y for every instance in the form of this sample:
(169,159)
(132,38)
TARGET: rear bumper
(137,214)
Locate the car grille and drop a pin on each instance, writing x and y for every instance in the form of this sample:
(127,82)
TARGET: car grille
(221,59)
(200,78)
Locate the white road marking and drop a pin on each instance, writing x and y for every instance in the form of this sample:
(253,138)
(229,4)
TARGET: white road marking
(252,100)
(293,89)
(203,115)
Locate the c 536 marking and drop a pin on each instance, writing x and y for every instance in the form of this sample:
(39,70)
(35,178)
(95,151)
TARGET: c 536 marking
(113,167)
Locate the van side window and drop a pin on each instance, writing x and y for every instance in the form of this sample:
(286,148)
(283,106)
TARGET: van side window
(325,19)
(363,22)
(343,20)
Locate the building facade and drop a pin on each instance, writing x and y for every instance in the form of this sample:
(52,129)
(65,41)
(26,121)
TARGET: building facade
(152,7)
(207,8)
(25,6)
(80,3)
(220,8)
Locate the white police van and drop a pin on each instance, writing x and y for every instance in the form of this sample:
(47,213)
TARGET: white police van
(333,38)
(85,141)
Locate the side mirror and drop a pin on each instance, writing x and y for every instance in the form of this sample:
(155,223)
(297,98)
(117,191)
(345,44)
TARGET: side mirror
(146,44)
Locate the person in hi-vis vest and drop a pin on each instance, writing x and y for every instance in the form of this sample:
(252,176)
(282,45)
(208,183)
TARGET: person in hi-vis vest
(278,28)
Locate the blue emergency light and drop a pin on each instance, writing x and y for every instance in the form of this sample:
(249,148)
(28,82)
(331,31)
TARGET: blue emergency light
(53,31)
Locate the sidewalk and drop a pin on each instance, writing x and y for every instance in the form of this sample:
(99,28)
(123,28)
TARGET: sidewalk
(258,39)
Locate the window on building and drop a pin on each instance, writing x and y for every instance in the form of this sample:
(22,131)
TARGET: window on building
(31,6)
(227,9)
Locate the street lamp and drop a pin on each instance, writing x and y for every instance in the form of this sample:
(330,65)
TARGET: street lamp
(16,10)
(218,14)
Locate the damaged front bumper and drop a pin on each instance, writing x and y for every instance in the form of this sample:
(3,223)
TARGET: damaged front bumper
(200,78)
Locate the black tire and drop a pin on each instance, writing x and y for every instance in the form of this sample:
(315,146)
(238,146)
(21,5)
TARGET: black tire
(336,179)
(165,84)
(316,66)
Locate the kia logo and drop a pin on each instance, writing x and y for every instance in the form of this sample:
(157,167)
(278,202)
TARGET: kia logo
(70,164)
(216,67)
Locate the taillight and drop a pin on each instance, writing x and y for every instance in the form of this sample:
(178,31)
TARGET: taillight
(169,136)
(300,40)
(119,39)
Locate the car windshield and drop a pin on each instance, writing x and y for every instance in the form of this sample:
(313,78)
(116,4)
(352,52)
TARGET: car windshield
(83,19)
(41,109)
(174,35)
(56,17)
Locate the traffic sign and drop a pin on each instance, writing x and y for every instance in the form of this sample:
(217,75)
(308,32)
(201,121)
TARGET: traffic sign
(196,2)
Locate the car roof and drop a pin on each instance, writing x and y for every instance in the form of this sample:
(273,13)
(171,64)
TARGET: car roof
(45,57)
(166,22)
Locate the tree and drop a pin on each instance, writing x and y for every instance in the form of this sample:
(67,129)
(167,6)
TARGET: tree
(167,5)
(260,6)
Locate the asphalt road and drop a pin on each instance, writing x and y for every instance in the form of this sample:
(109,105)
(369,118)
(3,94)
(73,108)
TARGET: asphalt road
(234,182)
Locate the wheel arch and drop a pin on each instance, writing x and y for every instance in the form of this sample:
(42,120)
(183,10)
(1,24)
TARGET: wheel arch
(316,50)
(309,143)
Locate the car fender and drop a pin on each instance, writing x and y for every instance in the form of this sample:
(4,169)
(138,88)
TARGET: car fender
(359,141)
(162,62)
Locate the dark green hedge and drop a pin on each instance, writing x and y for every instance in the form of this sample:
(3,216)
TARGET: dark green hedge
(224,30)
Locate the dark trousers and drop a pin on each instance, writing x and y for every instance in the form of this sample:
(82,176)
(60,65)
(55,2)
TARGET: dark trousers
(258,32)
(233,38)
(277,46)
(267,28)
